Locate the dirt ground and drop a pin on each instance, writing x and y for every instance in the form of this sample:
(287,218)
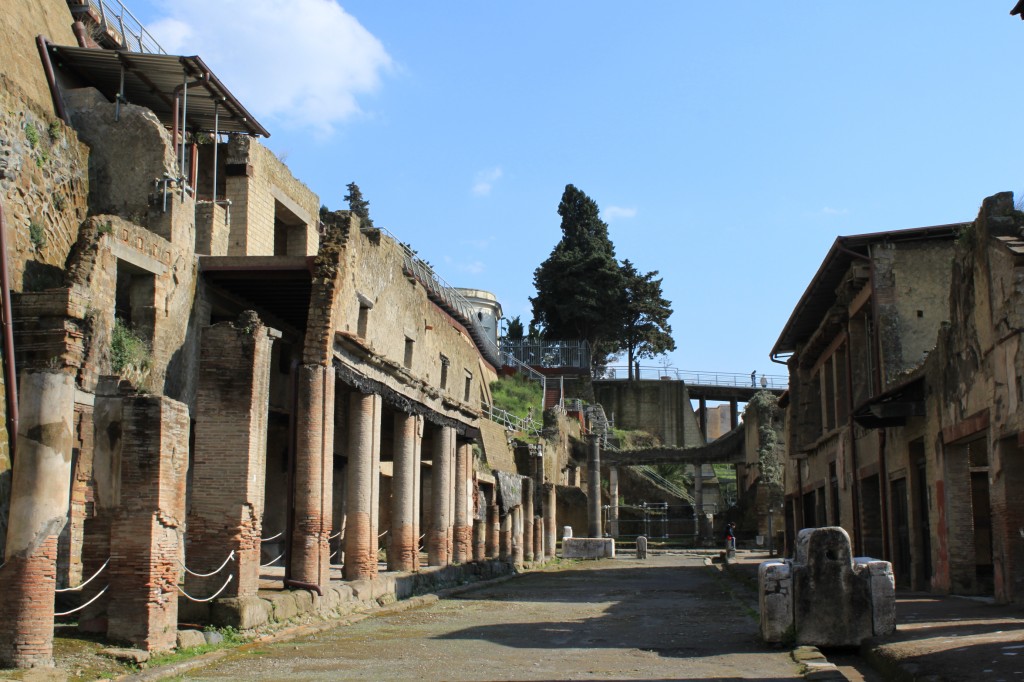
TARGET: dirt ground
(670,617)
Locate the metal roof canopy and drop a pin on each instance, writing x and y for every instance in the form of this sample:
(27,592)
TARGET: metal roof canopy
(154,80)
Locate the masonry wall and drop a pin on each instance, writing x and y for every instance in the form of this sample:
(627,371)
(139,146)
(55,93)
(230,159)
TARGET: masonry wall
(661,408)
(20,23)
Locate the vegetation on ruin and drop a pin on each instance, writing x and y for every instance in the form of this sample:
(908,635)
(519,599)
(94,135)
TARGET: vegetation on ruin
(583,292)
(358,205)
(518,395)
(764,408)
(37,234)
(130,354)
(32,135)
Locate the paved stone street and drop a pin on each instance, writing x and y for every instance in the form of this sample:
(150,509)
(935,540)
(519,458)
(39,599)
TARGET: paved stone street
(670,617)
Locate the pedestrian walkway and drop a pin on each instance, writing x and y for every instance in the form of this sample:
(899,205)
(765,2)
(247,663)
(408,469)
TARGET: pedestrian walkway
(939,637)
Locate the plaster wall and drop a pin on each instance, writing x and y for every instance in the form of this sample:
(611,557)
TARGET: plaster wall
(20,23)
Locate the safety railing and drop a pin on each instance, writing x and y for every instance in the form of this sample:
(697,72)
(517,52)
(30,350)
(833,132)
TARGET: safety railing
(649,473)
(548,353)
(700,378)
(512,422)
(118,19)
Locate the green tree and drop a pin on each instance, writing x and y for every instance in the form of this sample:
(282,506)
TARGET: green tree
(646,332)
(358,205)
(579,287)
(515,330)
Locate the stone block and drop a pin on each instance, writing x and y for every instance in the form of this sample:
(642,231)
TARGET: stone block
(188,639)
(243,613)
(588,548)
(362,590)
(883,596)
(283,607)
(303,600)
(775,597)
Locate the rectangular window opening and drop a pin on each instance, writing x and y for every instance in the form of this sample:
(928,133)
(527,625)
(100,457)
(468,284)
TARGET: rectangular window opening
(409,343)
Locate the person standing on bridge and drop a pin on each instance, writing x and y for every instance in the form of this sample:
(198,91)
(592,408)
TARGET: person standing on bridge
(764,381)
(753,378)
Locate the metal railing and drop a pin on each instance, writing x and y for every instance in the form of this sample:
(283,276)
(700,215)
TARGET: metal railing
(527,425)
(701,378)
(116,18)
(543,353)
(646,471)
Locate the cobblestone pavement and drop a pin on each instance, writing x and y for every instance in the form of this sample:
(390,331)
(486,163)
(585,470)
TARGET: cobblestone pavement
(670,617)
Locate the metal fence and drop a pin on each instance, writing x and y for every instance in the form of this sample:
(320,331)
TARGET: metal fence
(542,353)
(699,377)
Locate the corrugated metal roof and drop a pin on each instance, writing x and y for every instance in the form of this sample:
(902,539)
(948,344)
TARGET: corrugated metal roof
(151,80)
(821,292)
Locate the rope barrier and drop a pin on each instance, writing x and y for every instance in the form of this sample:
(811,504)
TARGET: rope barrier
(75,589)
(215,594)
(68,613)
(272,561)
(333,554)
(333,536)
(207,575)
(272,537)
(382,535)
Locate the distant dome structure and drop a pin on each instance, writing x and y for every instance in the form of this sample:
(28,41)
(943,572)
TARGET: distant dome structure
(487,309)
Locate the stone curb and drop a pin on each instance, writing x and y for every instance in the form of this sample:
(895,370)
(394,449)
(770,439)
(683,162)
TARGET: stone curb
(296,631)
(814,665)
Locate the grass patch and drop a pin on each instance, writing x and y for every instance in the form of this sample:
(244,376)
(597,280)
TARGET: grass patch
(518,396)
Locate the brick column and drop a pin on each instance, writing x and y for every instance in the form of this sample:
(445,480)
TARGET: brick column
(550,520)
(417,505)
(439,535)
(38,511)
(404,541)
(230,459)
(538,539)
(314,471)
(363,472)
(462,534)
(145,535)
(479,540)
(493,546)
(527,519)
(613,494)
(106,476)
(505,537)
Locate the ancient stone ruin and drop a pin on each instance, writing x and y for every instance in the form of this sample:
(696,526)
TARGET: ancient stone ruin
(825,597)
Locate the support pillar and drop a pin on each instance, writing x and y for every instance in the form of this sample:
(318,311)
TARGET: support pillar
(527,519)
(404,540)
(703,409)
(230,459)
(613,493)
(39,504)
(550,520)
(363,472)
(479,540)
(106,476)
(462,534)
(505,537)
(314,472)
(538,539)
(593,486)
(734,417)
(439,535)
(493,531)
(146,533)
(517,536)
(698,498)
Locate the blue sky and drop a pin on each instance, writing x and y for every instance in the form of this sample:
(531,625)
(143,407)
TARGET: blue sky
(727,144)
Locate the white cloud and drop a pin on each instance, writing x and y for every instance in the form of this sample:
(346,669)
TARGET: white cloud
(611,213)
(302,63)
(485,180)
(473,268)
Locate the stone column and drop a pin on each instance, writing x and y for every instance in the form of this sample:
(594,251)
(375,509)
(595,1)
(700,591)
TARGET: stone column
(538,539)
(593,486)
(462,532)
(517,535)
(38,511)
(613,493)
(418,492)
(438,553)
(363,469)
(146,533)
(527,519)
(230,457)
(314,470)
(505,537)
(404,541)
(493,531)
(479,540)
(106,477)
(698,498)
(550,520)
